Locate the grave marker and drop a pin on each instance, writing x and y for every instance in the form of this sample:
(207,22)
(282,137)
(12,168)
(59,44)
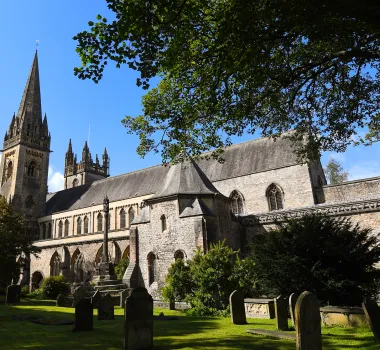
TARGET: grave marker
(106,308)
(95,299)
(292,306)
(372,313)
(13,294)
(61,300)
(281,311)
(237,307)
(83,316)
(78,295)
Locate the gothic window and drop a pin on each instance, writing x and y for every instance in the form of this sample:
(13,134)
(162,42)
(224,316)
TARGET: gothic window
(85,224)
(9,170)
(131,213)
(122,218)
(163,223)
(78,266)
(60,228)
(43,229)
(100,222)
(29,203)
(67,225)
(49,231)
(79,226)
(179,255)
(152,268)
(237,203)
(55,264)
(32,169)
(75,183)
(275,197)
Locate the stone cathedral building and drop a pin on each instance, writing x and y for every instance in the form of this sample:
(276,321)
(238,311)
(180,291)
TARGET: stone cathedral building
(159,213)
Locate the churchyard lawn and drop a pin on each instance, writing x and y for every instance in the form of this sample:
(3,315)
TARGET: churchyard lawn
(184,333)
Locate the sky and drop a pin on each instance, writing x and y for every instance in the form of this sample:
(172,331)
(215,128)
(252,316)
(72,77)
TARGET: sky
(82,110)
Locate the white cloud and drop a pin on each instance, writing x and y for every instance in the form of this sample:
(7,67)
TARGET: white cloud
(55,180)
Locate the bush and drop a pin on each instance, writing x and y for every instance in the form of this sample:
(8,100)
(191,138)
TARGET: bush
(53,286)
(24,291)
(121,267)
(330,257)
(36,294)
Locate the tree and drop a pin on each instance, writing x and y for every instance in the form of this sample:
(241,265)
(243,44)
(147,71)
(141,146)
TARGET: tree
(235,66)
(332,258)
(335,173)
(15,243)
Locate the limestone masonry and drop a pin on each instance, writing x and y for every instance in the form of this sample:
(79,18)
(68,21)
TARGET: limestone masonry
(159,213)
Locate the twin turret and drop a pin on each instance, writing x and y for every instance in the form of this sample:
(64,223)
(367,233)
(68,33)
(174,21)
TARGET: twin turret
(85,171)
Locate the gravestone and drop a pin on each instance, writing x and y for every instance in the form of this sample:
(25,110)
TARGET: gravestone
(95,299)
(281,311)
(83,316)
(237,307)
(372,313)
(124,295)
(61,300)
(138,325)
(308,322)
(106,308)
(292,306)
(13,294)
(78,295)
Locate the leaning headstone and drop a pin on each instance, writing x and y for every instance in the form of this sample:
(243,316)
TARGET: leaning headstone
(281,311)
(237,307)
(138,325)
(292,306)
(61,300)
(106,308)
(83,316)
(308,322)
(95,299)
(13,294)
(372,313)
(78,295)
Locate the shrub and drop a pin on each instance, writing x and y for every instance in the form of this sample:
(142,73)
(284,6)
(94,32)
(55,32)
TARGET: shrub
(332,258)
(53,286)
(36,294)
(121,267)
(24,291)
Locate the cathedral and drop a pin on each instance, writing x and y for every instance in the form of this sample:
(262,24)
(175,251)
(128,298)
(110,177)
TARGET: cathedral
(159,213)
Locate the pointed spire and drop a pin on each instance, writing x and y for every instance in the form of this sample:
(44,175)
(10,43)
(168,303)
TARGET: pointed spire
(70,148)
(45,120)
(6,136)
(85,153)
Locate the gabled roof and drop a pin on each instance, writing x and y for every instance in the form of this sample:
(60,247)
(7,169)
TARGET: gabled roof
(196,207)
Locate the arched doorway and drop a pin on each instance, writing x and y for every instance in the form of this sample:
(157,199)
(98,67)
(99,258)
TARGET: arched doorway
(77,266)
(55,264)
(37,279)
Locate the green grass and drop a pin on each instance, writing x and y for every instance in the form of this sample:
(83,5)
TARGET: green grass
(185,333)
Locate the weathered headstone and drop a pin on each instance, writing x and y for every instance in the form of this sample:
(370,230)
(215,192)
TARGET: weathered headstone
(78,295)
(292,306)
(83,316)
(171,305)
(237,307)
(95,299)
(281,310)
(124,295)
(13,294)
(308,322)
(138,326)
(106,308)
(372,313)
(61,300)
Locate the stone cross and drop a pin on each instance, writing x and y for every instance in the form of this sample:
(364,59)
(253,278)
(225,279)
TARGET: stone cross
(13,294)
(237,307)
(106,308)
(308,322)
(95,299)
(78,295)
(292,306)
(83,316)
(372,313)
(138,325)
(281,311)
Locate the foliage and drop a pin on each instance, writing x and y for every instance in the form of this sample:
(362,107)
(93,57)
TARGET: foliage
(332,258)
(246,278)
(335,173)
(36,294)
(235,66)
(15,243)
(53,286)
(24,291)
(121,267)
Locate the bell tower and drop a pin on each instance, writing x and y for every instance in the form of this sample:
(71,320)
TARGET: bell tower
(25,155)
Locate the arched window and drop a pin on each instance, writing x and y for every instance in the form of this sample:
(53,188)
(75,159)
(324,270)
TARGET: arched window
(78,266)
(100,222)
(49,231)
(60,228)
(237,206)
(67,225)
(275,198)
(152,268)
(75,183)
(29,203)
(131,215)
(85,224)
(79,226)
(9,170)
(32,169)
(43,231)
(55,264)
(122,218)
(163,223)
(179,255)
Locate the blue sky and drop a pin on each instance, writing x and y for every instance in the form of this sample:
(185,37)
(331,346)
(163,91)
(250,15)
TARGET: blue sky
(73,106)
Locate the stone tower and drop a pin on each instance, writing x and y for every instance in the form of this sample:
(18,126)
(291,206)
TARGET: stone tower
(85,171)
(25,159)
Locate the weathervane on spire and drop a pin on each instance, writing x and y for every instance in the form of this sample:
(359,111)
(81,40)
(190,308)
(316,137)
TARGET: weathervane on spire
(37,42)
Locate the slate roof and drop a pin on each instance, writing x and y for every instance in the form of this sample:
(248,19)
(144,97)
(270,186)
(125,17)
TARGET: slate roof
(240,159)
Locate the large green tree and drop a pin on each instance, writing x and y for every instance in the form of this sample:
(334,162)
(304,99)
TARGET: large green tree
(334,172)
(15,243)
(235,66)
